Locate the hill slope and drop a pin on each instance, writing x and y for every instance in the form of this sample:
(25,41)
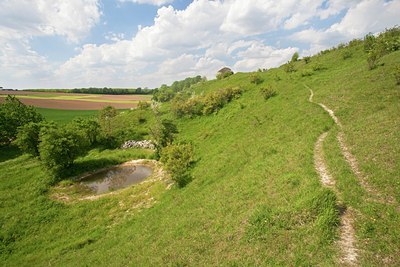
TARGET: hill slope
(256,197)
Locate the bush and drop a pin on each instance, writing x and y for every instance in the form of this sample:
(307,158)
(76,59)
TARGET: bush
(143,105)
(318,67)
(163,134)
(106,116)
(346,54)
(307,72)
(289,67)
(267,92)
(397,74)
(223,75)
(28,137)
(177,160)
(295,57)
(14,114)
(256,79)
(307,60)
(90,128)
(216,100)
(59,147)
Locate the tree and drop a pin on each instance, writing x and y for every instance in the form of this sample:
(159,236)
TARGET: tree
(106,116)
(163,134)
(295,57)
(177,160)
(13,114)
(59,147)
(28,136)
(90,128)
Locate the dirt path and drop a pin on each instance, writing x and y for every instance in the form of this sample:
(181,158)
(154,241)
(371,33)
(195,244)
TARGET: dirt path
(347,240)
(351,159)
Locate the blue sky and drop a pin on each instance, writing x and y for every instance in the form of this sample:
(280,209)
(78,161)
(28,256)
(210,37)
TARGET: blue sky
(132,43)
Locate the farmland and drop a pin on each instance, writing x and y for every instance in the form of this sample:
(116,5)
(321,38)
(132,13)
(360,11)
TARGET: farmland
(67,101)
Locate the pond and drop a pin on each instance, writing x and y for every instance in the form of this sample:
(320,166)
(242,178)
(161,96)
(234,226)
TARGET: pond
(116,178)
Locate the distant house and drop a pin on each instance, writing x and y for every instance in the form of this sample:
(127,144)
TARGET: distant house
(224,72)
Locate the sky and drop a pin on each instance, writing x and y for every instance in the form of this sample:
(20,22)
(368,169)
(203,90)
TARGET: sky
(146,43)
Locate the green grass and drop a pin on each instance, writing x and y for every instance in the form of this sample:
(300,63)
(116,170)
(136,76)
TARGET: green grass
(255,199)
(64,116)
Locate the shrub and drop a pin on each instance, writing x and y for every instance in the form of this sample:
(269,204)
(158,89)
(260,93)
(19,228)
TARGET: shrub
(216,100)
(289,67)
(346,54)
(106,116)
(223,75)
(89,127)
(177,160)
(267,92)
(163,134)
(397,74)
(318,66)
(143,105)
(295,57)
(307,60)
(256,79)
(28,137)
(307,72)
(59,147)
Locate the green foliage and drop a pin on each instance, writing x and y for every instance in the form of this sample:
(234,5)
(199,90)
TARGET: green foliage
(397,74)
(306,73)
(256,79)
(318,67)
(60,146)
(267,92)
(295,57)
(28,137)
(14,114)
(346,54)
(143,105)
(90,128)
(289,67)
(376,47)
(216,100)
(307,59)
(204,105)
(177,159)
(166,93)
(369,42)
(224,74)
(106,116)
(163,133)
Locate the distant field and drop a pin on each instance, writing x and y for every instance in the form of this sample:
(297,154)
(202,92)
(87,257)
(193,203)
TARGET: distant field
(75,101)
(64,116)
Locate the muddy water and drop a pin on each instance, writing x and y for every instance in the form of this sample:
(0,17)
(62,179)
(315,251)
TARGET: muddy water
(116,178)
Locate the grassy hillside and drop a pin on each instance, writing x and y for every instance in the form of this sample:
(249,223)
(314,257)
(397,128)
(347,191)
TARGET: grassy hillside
(255,198)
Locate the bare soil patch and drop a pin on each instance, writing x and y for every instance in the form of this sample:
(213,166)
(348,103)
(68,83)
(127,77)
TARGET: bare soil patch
(72,104)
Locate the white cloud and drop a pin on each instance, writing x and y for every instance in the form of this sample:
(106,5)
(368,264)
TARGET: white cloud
(361,18)
(259,55)
(27,18)
(195,41)
(149,2)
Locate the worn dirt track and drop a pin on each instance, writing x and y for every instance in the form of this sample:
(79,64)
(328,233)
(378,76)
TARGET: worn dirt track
(347,240)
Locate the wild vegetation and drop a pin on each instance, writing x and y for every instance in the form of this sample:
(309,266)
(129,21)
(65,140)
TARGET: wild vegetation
(251,193)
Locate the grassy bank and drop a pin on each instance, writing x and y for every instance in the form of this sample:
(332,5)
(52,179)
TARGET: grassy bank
(255,198)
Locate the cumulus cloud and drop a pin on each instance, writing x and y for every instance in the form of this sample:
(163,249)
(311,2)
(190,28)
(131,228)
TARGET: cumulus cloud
(361,18)
(27,18)
(149,2)
(197,40)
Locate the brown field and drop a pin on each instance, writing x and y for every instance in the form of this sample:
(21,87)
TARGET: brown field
(75,101)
